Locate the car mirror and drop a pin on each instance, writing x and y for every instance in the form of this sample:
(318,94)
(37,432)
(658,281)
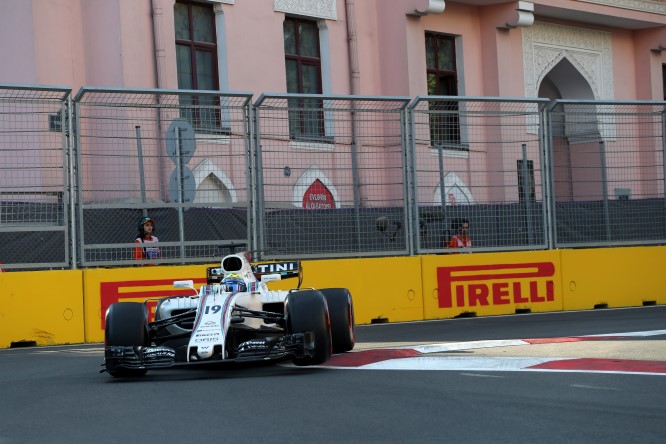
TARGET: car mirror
(184,284)
(270,277)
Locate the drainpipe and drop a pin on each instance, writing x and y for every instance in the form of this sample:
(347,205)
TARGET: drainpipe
(160,76)
(354,81)
(354,72)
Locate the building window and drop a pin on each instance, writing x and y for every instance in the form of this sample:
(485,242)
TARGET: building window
(196,60)
(303,65)
(663,79)
(443,81)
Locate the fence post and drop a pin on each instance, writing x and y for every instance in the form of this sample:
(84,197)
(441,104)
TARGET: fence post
(410,208)
(79,180)
(72,184)
(442,190)
(526,196)
(179,182)
(248,136)
(142,178)
(410,165)
(546,138)
(663,150)
(355,173)
(259,207)
(604,180)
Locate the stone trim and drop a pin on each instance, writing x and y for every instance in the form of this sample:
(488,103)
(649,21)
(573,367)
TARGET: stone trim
(323,9)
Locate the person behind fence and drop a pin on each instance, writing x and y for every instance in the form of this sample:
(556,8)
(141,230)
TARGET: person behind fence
(148,250)
(461,237)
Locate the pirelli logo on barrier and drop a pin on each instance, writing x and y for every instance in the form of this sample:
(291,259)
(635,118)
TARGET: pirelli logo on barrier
(139,291)
(503,284)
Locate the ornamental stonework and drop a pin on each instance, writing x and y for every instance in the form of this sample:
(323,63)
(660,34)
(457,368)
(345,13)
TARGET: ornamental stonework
(657,7)
(323,9)
(545,44)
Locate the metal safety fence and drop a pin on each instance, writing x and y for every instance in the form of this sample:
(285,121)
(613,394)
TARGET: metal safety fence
(331,176)
(607,172)
(478,162)
(314,176)
(34,177)
(178,157)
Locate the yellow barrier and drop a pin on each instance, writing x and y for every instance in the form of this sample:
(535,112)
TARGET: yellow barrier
(102,287)
(616,277)
(44,307)
(491,283)
(68,306)
(383,289)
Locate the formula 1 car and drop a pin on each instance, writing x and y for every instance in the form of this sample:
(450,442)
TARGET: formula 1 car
(233,318)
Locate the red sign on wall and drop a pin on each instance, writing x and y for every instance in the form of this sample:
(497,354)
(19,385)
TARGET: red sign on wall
(139,291)
(318,197)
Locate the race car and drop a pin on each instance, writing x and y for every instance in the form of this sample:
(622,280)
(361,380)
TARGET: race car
(233,318)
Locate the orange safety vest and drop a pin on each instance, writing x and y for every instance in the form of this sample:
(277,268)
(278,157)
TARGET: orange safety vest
(149,250)
(459,242)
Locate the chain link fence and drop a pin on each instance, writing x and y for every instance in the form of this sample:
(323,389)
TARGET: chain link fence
(179,157)
(314,176)
(608,172)
(331,176)
(34,178)
(479,162)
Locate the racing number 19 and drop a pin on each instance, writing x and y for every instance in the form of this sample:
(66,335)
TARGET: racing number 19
(214,308)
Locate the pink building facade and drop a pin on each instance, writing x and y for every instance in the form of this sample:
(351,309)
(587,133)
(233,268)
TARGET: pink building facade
(368,47)
(563,49)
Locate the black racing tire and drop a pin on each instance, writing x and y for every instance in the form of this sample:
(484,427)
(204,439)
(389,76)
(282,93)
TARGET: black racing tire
(341,313)
(126,325)
(307,311)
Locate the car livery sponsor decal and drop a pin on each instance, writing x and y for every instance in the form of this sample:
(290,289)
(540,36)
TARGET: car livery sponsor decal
(210,325)
(278,267)
(139,291)
(497,284)
(200,312)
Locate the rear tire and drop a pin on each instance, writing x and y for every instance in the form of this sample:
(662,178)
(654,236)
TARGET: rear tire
(307,311)
(126,326)
(341,313)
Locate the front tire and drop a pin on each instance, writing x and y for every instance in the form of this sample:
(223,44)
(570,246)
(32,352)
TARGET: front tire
(341,313)
(307,311)
(126,326)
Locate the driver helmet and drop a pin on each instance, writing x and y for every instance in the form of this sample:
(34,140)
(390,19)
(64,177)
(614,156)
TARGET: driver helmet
(234,283)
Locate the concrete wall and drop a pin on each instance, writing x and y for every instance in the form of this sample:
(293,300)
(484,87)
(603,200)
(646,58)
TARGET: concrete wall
(65,307)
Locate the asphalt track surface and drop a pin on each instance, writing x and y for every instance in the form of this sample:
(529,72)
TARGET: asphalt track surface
(515,379)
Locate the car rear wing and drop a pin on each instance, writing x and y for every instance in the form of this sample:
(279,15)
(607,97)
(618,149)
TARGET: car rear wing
(263,272)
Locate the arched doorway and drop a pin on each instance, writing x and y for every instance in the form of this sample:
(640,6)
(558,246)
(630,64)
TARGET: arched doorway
(213,186)
(576,159)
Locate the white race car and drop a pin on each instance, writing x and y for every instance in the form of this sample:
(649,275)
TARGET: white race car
(233,318)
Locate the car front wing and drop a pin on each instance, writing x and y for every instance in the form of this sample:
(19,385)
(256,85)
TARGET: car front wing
(265,349)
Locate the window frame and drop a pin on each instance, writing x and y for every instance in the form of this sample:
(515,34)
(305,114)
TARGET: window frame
(200,124)
(444,114)
(302,131)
